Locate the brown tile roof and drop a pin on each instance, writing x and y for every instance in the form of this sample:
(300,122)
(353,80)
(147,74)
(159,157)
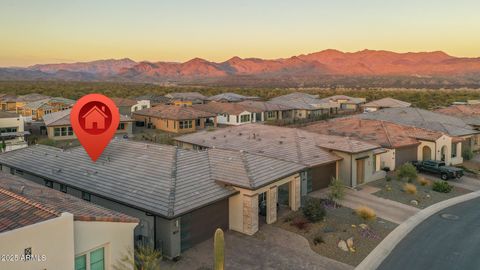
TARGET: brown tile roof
(174,112)
(50,203)
(469,113)
(124,102)
(387,102)
(290,144)
(384,133)
(229,108)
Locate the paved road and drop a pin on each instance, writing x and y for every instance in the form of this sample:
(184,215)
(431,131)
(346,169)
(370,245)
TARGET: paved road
(441,244)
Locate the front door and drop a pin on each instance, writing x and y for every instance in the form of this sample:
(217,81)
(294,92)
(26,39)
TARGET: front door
(360,171)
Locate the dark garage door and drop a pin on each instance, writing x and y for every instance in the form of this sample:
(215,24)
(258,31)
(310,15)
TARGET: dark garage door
(322,175)
(405,154)
(200,225)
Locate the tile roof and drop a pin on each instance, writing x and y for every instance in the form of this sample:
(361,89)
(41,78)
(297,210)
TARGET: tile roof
(192,96)
(265,106)
(386,134)
(62,118)
(23,202)
(229,108)
(302,101)
(174,112)
(289,144)
(45,103)
(161,179)
(8,115)
(423,119)
(230,97)
(31,97)
(155,99)
(124,102)
(8,98)
(351,100)
(387,102)
(469,113)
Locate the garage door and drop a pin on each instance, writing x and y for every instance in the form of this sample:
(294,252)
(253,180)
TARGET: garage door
(405,154)
(321,176)
(200,225)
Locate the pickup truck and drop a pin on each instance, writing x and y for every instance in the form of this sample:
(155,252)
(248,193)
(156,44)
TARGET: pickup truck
(438,167)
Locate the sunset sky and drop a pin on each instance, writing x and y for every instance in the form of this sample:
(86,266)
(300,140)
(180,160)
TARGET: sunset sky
(50,31)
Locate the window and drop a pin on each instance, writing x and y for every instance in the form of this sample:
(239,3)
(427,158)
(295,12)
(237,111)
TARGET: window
(86,196)
(454,150)
(94,260)
(70,131)
(63,188)
(56,132)
(121,126)
(185,124)
(49,183)
(8,129)
(245,118)
(62,131)
(374,163)
(270,114)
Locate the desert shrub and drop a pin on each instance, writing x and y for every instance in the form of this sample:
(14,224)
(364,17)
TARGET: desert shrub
(407,171)
(423,181)
(314,210)
(410,188)
(366,213)
(288,218)
(467,154)
(318,240)
(388,178)
(300,223)
(442,186)
(337,190)
(143,258)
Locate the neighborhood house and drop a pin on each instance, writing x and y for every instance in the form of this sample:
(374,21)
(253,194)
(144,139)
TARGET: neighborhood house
(306,105)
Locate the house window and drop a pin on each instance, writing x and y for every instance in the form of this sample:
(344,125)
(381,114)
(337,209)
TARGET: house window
(70,131)
(8,129)
(63,188)
(186,124)
(454,150)
(49,183)
(270,114)
(86,196)
(56,132)
(94,260)
(62,131)
(245,118)
(121,126)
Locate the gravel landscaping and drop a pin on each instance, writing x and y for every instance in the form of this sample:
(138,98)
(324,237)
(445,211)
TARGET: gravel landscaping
(425,196)
(339,224)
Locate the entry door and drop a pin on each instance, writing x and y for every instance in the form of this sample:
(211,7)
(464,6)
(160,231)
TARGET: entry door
(360,171)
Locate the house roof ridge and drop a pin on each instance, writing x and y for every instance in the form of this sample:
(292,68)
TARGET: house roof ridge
(29,202)
(386,133)
(173,185)
(247,169)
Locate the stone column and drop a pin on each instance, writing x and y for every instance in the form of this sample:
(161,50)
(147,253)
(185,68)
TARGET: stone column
(250,214)
(272,198)
(294,193)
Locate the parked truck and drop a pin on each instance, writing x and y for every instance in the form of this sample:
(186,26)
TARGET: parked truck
(438,167)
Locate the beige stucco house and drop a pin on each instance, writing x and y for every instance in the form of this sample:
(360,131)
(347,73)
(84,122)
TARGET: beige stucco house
(57,230)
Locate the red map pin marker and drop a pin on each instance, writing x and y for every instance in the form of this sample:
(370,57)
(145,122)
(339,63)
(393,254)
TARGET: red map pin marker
(94,120)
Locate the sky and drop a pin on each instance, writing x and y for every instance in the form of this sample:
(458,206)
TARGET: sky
(54,31)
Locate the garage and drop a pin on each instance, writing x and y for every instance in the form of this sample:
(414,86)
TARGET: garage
(320,176)
(405,154)
(200,225)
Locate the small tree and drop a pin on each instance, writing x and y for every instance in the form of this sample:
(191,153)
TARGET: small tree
(337,191)
(143,258)
(407,171)
(467,154)
(314,210)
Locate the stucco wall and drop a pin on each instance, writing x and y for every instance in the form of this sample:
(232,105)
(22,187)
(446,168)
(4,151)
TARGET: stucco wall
(53,238)
(115,237)
(348,168)
(232,119)
(387,159)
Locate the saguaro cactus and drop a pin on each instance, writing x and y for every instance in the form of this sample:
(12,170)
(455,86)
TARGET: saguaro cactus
(219,250)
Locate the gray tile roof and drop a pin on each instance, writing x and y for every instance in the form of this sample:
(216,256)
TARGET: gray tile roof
(387,102)
(230,97)
(302,101)
(350,100)
(265,106)
(288,144)
(44,103)
(161,179)
(8,115)
(423,119)
(62,118)
(193,96)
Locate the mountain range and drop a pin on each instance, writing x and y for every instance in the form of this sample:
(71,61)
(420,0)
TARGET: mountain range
(328,67)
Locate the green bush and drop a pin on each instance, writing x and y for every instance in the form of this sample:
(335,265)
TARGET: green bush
(442,186)
(314,210)
(467,154)
(318,240)
(388,178)
(337,190)
(407,171)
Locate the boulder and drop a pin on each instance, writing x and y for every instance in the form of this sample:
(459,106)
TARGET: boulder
(350,244)
(343,245)
(414,202)
(363,226)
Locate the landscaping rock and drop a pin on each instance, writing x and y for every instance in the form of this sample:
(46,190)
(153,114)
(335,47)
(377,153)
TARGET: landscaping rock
(363,226)
(354,226)
(414,202)
(428,196)
(350,244)
(343,245)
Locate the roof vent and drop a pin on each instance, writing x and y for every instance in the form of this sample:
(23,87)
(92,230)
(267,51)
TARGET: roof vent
(213,138)
(239,134)
(280,142)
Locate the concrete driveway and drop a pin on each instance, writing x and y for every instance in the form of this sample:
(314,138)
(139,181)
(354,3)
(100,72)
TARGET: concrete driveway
(465,182)
(441,243)
(270,248)
(386,209)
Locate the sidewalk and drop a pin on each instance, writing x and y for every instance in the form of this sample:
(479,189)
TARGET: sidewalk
(386,209)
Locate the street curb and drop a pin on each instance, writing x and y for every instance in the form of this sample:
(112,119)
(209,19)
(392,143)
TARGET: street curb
(376,257)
